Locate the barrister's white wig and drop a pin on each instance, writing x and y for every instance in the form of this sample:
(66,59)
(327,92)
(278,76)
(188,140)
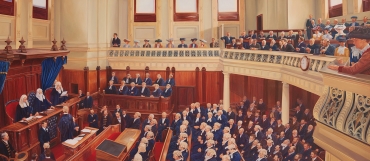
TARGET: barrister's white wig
(23,104)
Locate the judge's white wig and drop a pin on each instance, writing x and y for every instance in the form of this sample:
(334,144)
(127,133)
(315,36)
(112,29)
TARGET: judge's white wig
(3,135)
(23,104)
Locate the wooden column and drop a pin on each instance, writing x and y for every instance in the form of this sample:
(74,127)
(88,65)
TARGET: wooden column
(168,71)
(204,85)
(86,79)
(127,69)
(197,85)
(109,72)
(146,70)
(98,78)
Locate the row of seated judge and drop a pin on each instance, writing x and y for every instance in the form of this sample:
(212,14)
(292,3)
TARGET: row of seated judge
(33,104)
(135,91)
(147,80)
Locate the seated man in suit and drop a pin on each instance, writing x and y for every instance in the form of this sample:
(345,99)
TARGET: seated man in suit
(327,49)
(135,122)
(114,78)
(88,101)
(365,21)
(144,91)
(118,109)
(290,36)
(271,35)
(127,79)
(80,94)
(261,35)
(227,39)
(313,48)
(213,43)
(159,80)
(92,118)
(287,46)
(255,45)
(123,89)
(137,80)
(44,136)
(111,89)
(132,91)
(157,91)
(234,44)
(167,92)
(119,120)
(353,21)
(164,123)
(264,46)
(182,44)
(170,80)
(147,79)
(105,121)
(301,47)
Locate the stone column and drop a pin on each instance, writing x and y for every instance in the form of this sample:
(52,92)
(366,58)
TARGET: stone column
(226,98)
(285,104)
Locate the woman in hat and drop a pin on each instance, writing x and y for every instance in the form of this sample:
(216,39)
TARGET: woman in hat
(194,43)
(342,50)
(136,45)
(202,43)
(127,43)
(158,43)
(360,37)
(170,43)
(146,44)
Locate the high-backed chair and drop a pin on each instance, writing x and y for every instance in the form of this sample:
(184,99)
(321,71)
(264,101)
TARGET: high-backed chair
(31,97)
(10,109)
(47,93)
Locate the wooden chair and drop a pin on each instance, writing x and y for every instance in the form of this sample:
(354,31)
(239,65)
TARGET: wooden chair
(11,108)
(47,93)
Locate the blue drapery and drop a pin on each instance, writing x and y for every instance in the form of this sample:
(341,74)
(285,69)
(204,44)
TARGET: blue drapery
(49,71)
(4,67)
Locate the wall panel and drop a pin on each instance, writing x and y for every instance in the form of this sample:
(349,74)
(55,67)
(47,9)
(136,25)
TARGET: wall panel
(73,77)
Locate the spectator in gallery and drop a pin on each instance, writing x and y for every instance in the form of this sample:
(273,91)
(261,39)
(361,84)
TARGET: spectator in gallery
(327,49)
(255,45)
(170,80)
(127,43)
(116,42)
(136,44)
(167,92)
(182,44)
(360,36)
(111,89)
(353,21)
(301,47)
(273,46)
(123,89)
(137,80)
(170,43)
(202,43)
(132,91)
(88,101)
(261,35)
(159,80)
(147,79)
(264,46)
(114,78)
(271,35)
(144,91)
(227,39)
(193,43)
(158,43)
(146,44)
(365,21)
(342,50)
(157,91)
(213,43)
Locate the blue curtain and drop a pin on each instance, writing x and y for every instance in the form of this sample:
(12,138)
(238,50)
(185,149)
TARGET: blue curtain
(4,67)
(49,71)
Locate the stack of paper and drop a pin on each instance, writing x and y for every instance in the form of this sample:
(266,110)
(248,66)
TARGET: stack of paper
(86,130)
(71,141)
(38,117)
(78,138)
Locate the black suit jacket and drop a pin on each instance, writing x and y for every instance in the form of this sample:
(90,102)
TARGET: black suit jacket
(230,115)
(88,102)
(3,149)
(160,82)
(127,80)
(135,124)
(288,48)
(113,90)
(266,47)
(44,136)
(145,93)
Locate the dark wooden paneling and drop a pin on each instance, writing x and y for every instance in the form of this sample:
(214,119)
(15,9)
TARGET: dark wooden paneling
(336,10)
(103,80)
(185,78)
(309,99)
(214,87)
(92,81)
(184,96)
(73,77)
(366,5)
(41,13)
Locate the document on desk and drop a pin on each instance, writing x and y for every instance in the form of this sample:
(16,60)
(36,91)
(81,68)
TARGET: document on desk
(86,130)
(38,117)
(64,93)
(71,141)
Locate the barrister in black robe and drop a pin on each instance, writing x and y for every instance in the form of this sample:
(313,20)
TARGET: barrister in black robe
(23,110)
(40,103)
(66,125)
(111,89)
(44,136)
(5,147)
(56,95)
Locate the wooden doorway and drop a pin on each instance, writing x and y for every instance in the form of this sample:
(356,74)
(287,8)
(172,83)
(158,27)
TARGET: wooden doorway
(260,22)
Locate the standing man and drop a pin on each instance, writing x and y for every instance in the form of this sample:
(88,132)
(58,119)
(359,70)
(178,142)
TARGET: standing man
(354,23)
(92,118)
(365,22)
(227,39)
(116,42)
(44,136)
(309,26)
(88,101)
(182,45)
(66,125)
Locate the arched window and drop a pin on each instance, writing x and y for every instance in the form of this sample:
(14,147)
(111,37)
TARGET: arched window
(7,7)
(335,8)
(366,5)
(40,9)
(228,10)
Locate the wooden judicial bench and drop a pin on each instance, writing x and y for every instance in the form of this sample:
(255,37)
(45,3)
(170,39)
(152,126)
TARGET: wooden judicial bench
(70,150)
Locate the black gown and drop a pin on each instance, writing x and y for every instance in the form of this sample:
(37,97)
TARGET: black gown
(21,113)
(40,106)
(66,127)
(56,97)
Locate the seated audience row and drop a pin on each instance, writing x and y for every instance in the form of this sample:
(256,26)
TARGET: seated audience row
(147,80)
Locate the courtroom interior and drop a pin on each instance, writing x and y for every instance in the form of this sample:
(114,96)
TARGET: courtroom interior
(184,80)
